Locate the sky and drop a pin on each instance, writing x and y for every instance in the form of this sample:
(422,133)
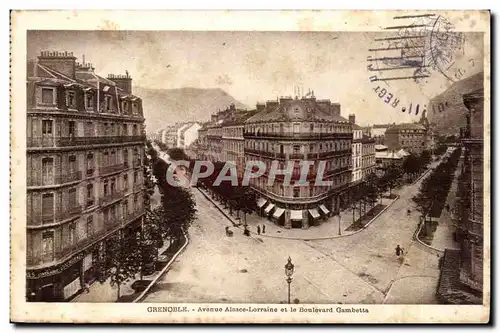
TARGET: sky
(259,66)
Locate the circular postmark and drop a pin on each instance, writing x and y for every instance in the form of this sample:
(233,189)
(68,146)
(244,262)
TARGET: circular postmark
(416,56)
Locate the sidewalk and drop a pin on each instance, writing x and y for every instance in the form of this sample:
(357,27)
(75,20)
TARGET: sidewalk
(326,230)
(105,293)
(443,236)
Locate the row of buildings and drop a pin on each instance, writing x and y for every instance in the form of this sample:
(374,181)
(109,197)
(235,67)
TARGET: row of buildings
(180,135)
(84,150)
(292,129)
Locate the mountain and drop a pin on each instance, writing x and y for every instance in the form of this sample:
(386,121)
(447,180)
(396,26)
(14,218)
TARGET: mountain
(446,112)
(163,107)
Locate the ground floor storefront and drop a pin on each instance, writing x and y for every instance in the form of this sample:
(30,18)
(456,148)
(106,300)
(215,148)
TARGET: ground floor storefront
(63,281)
(301,215)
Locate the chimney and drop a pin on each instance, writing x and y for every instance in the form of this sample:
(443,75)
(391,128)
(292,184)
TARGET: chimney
(62,62)
(352,118)
(260,106)
(122,81)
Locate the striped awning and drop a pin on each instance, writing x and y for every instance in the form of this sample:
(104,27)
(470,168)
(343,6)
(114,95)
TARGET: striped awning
(278,212)
(261,202)
(269,208)
(324,209)
(296,215)
(314,213)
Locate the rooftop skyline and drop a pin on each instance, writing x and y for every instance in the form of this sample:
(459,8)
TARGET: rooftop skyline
(251,66)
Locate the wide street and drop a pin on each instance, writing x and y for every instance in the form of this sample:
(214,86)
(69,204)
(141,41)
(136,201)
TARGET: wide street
(361,268)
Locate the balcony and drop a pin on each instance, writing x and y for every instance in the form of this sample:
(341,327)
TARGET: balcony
(106,170)
(54,217)
(299,136)
(285,199)
(109,227)
(107,199)
(70,141)
(55,180)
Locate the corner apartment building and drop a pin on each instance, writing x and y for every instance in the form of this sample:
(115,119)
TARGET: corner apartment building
(295,130)
(85,146)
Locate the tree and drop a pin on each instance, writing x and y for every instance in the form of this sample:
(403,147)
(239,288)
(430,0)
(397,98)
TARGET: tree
(372,189)
(391,176)
(121,262)
(177,154)
(179,211)
(245,201)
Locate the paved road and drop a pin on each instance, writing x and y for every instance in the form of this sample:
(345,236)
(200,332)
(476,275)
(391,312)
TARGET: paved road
(358,269)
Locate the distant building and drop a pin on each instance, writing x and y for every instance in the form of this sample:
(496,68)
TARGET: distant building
(408,136)
(189,134)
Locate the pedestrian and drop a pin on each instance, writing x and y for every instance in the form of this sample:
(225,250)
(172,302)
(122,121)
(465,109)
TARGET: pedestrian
(399,250)
(86,287)
(263,228)
(258,229)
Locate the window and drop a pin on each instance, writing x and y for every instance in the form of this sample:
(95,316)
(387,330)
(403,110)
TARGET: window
(48,245)
(281,149)
(125,158)
(113,157)
(107,103)
(72,198)
(136,202)
(296,192)
(125,182)
(106,187)
(311,148)
(311,191)
(90,226)
(72,233)
(70,99)
(113,185)
(48,96)
(90,195)
(125,130)
(47,127)
(135,132)
(125,208)
(89,101)
(89,128)
(105,214)
(296,149)
(47,207)
(90,164)
(71,129)
(136,177)
(47,170)
(296,128)
(312,127)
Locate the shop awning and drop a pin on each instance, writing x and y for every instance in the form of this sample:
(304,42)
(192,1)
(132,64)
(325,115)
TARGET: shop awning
(324,209)
(269,208)
(278,212)
(261,202)
(314,213)
(296,215)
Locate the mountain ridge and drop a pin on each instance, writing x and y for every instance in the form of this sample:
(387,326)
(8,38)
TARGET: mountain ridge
(164,107)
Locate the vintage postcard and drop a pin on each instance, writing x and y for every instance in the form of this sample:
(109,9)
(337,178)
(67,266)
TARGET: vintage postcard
(250,166)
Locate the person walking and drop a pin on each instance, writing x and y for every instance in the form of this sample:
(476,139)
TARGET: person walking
(399,250)
(258,229)
(263,228)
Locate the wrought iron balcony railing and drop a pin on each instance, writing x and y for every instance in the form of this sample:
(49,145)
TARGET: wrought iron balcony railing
(53,217)
(80,141)
(55,179)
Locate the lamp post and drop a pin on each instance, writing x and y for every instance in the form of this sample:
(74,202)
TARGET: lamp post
(289,272)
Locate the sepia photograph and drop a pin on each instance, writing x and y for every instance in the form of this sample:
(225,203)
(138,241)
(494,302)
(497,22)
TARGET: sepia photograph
(265,173)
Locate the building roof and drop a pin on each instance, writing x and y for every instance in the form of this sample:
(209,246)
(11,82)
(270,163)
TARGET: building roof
(308,109)
(405,126)
(356,127)
(238,118)
(382,125)
(388,155)
(380,147)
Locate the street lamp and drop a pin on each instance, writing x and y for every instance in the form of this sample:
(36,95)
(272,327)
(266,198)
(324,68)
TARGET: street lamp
(289,272)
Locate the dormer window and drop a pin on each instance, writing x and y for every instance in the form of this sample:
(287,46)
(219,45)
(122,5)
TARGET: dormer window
(71,99)
(107,103)
(89,101)
(48,96)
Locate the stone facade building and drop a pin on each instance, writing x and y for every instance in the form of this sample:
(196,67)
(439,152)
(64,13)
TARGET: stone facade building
(411,137)
(298,130)
(85,146)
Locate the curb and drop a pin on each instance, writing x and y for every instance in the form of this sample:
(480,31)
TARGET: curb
(303,239)
(163,271)
(427,248)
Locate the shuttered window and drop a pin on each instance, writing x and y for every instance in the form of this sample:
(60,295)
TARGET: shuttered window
(48,207)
